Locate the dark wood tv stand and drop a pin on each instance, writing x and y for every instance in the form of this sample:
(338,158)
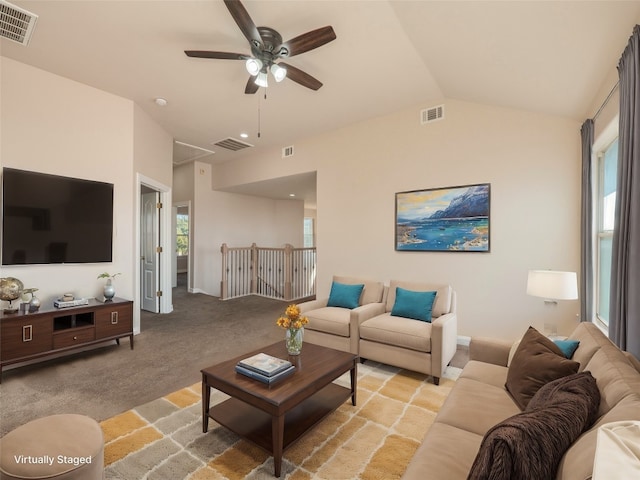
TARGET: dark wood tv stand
(30,335)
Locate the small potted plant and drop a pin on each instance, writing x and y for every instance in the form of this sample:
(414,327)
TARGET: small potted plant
(109,289)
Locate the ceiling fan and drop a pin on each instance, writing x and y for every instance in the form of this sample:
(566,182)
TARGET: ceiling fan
(267,47)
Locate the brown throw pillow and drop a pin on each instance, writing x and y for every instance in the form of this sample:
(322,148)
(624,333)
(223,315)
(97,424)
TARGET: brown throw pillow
(537,361)
(532,443)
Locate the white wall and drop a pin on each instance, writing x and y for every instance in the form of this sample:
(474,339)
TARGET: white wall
(54,125)
(532,163)
(152,148)
(288,220)
(237,220)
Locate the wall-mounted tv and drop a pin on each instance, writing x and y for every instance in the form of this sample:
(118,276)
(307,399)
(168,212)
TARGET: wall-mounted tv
(53,219)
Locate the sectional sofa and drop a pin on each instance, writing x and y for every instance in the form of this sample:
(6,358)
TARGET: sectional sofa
(482,432)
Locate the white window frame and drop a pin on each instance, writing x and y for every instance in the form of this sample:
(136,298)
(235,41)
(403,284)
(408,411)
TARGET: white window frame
(603,142)
(186,235)
(312,235)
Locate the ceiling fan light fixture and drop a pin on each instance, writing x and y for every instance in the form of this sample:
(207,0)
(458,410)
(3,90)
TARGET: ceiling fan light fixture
(261,80)
(279,73)
(254,66)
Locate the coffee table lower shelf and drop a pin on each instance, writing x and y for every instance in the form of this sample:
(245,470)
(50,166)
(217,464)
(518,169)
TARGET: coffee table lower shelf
(255,425)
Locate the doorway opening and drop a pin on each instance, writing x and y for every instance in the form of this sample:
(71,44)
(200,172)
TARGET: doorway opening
(182,247)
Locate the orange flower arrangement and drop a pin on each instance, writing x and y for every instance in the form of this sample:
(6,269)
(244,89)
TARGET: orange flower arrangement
(292,319)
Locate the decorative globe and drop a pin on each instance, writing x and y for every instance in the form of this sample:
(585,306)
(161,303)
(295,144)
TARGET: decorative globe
(10,289)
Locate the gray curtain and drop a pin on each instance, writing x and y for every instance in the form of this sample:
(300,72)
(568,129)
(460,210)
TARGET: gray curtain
(624,321)
(586,226)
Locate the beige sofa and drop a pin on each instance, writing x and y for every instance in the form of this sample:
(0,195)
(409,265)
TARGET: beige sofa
(337,327)
(425,347)
(479,400)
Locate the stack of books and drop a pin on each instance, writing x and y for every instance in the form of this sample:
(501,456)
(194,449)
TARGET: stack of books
(265,368)
(60,303)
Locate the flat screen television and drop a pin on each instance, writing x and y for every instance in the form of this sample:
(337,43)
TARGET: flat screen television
(50,219)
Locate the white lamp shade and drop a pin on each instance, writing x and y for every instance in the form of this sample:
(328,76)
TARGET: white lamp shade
(253,66)
(279,73)
(552,284)
(261,80)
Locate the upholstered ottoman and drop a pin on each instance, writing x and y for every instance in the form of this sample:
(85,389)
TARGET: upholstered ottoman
(56,447)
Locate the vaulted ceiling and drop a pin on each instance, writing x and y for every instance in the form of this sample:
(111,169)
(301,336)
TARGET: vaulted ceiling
(545,56)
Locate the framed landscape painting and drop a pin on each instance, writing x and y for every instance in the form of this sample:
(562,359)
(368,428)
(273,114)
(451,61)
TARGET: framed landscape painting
(451,219)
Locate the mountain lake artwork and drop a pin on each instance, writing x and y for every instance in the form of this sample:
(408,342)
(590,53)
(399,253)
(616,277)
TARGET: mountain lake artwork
(444,219)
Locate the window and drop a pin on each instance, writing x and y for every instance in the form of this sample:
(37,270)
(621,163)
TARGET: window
(182,234)
(308,232)
(606,197)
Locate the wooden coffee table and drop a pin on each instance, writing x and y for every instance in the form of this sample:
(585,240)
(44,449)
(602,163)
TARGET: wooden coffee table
(274,417)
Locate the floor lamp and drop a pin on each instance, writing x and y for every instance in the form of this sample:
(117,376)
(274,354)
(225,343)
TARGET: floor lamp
(552,286)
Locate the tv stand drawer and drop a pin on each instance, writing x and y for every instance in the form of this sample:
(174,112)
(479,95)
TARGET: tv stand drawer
(25,336)
(116,320)
(75,336)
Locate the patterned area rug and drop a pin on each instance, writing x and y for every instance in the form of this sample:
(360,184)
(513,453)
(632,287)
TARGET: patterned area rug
(376,439)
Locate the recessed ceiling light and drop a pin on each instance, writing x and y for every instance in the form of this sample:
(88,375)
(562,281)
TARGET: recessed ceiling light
(292,194)
(161,102)
(244,135)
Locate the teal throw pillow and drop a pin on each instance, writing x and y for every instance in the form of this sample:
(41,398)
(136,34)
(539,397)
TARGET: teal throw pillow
(568,347)
(345,296)
(415,305)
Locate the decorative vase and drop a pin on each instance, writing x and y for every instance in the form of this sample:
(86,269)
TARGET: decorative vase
(34,303)
(293,340)
(109,290)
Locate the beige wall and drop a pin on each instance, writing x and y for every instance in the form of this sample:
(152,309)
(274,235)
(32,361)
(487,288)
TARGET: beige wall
(54,125)
(237,220)
(532,163)
(152,148)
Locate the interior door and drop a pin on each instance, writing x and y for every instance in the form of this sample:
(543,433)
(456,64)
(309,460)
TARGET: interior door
(150,260)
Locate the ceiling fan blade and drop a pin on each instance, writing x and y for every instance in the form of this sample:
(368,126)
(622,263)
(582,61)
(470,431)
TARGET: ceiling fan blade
(218,55)
(306,41)
(252,86)
(242,18)
(301,77)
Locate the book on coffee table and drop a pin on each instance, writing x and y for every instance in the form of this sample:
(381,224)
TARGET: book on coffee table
(264,364)
(263,378)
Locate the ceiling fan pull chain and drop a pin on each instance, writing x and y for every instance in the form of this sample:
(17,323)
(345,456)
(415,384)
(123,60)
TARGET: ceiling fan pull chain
(258,116)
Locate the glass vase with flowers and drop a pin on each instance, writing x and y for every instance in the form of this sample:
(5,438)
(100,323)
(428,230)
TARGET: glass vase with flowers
(293,323)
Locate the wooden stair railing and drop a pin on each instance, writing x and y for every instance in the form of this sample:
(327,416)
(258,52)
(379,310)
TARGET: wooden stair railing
(284,273)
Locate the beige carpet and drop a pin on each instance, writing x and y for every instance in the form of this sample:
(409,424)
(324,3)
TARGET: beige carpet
(376,439)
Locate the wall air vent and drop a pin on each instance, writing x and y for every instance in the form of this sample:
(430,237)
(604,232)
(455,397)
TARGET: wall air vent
(432,114)
(287,152)
(232,144)
(16,24)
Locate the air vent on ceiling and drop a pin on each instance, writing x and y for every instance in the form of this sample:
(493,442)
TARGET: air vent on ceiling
(185,152)
(16,24)
(287,152)
(432,114)
(232,144)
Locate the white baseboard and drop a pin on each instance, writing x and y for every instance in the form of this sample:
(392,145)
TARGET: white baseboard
(464,341)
